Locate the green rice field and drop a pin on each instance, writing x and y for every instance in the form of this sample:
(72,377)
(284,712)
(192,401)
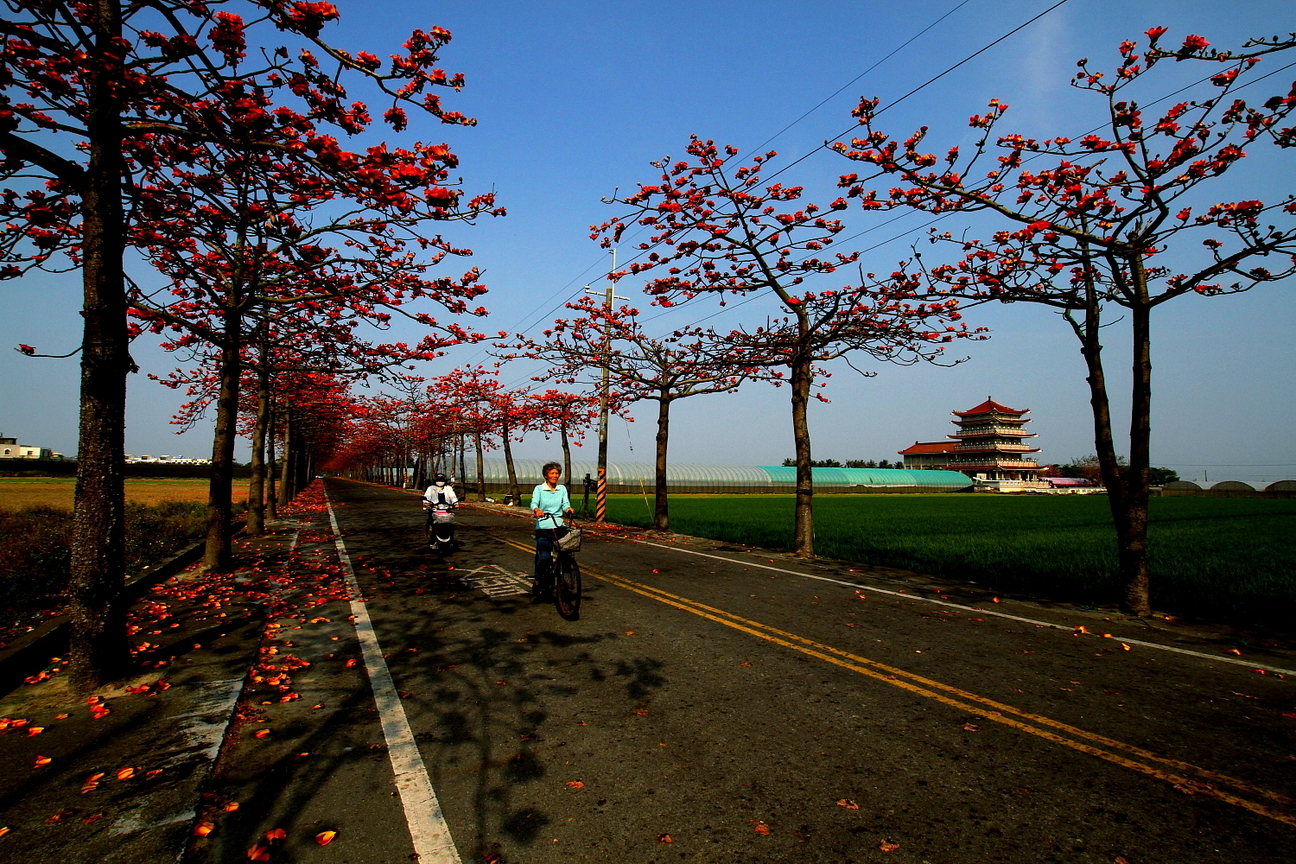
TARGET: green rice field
(1223,558)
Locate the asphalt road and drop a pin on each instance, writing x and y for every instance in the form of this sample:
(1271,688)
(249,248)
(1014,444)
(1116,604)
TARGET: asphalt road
(717,705)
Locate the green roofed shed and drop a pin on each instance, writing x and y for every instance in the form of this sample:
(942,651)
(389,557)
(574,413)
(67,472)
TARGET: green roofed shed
(699,478)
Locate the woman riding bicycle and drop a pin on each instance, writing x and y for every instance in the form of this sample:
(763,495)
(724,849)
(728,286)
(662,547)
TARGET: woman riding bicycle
(549,504)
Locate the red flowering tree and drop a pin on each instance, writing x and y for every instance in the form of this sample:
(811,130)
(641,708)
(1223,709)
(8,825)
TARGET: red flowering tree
(558,412)
(717,231)
(685,363)
(471,393)
(84,87)
(1120,218)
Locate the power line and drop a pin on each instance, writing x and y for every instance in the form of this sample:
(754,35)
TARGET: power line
(895,102)
(839,90)
(549,302)
(943,216)
(930,81)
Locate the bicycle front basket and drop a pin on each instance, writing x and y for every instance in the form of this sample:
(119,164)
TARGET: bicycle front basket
(571,541)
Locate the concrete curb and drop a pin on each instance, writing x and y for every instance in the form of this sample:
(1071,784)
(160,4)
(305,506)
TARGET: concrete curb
(29,654)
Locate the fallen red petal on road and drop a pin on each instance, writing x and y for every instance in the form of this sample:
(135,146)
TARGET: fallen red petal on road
(325,837)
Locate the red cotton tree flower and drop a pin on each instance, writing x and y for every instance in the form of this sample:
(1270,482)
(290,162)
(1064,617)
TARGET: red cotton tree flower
(717,231)
(1120,217)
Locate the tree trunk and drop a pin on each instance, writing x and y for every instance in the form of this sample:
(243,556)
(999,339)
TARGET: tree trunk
(272,494)
(1133,551)
(661,515)
(566,447)
(220,490)
(481,470)
(98,650)
(463,459)
(289,454)
(514,492)
(803,535)
(256,485)
(1128,517)
(302,467)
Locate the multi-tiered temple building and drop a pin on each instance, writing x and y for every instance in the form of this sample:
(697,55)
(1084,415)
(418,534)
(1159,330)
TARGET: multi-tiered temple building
(989,446)
(992,444)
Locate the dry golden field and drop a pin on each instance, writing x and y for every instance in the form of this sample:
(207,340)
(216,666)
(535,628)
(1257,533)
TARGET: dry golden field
(17,493)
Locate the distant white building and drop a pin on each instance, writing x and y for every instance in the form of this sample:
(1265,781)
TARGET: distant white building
(167,460)
(11,449)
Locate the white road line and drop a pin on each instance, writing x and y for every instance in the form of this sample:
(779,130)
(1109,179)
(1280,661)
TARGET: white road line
(427,824)
(906,596)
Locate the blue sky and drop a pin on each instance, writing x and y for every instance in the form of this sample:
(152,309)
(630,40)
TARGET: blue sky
(574,99)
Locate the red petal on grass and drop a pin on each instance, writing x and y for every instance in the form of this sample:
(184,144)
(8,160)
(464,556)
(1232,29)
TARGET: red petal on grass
(576,784)
(325,837)
(258,853)
(760,826)
(887,846)
(261,733)
(665,838)
(202,829)
(848,804)
(125,773)
(276,834)
(42,761)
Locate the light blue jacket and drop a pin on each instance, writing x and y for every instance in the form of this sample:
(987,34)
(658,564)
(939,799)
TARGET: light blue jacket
(554,501)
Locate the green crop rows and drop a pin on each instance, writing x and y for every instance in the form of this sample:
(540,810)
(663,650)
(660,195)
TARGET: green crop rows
(1225,558)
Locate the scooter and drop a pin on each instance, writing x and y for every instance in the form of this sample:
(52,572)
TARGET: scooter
(441,526)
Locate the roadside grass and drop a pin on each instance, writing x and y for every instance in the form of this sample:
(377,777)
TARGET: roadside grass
(1223,558)
(17,493)
(35,549)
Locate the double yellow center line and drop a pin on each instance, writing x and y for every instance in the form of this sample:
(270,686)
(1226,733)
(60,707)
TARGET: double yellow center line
(1183,776)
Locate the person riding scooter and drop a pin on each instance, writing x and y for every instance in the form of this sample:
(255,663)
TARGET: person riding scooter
(440,501)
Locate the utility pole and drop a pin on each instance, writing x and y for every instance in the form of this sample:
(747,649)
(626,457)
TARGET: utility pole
(600,501)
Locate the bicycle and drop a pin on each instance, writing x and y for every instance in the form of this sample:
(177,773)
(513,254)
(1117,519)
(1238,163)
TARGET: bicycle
(564,573)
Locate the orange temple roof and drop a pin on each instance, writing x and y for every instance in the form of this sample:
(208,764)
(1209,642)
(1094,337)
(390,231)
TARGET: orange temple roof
(990,407)
(928,447)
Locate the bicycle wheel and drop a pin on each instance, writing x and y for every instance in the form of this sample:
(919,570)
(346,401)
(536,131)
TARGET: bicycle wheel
(567,587)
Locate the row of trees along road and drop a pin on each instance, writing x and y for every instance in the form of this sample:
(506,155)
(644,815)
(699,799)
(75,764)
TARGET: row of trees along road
(159,127)
(408,438)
